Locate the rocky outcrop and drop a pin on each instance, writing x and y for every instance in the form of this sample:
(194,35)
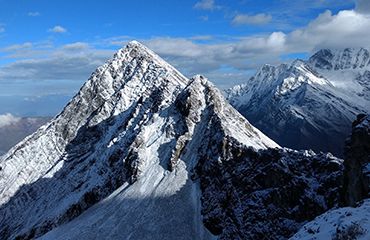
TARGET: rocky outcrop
(267,194)
(357,162)
(348,222)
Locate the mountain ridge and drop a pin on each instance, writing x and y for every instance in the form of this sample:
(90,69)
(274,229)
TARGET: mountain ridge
(128,127)
(301,105)
(142,152)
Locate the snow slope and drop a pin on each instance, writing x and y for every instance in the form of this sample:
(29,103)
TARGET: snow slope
(342,223)
(308,104)
(126,144)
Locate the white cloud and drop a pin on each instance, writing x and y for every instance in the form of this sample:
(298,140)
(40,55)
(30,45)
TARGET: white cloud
(206,5)
(73,61)
(16,47)
(192,57)
(77,46)
(116,41)
(258,19)
(33,14)
(348,28)
(202,37)
(2,29)
(8,119)
(209,55)
(58,29)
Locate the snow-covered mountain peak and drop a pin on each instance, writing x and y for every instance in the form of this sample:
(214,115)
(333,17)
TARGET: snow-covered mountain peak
(135,74)
(282,79)
(137,123)
(318,97)
(137,55)
(348,58)
(298,74)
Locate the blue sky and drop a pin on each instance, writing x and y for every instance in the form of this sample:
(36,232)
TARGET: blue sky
(49,48)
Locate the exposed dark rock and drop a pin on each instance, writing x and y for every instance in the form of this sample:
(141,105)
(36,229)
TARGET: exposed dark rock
(266,194)
(357,162)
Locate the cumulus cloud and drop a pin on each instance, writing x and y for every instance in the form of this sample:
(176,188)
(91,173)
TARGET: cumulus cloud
(243,54)
(73,61)
(206,5)
(245,19)
(8,119)
(218,57)
(58,29)
(348,28)
(33,14)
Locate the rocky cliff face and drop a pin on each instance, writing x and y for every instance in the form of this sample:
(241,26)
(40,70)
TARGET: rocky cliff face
(357,162)
(267,194)
(348,222)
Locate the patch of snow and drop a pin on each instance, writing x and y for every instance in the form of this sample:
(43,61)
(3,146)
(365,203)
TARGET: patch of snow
(342,223)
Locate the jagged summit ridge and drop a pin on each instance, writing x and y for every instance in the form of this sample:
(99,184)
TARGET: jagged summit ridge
(348,58)
(134,72)
(302,103)
(280,80)
(132,132)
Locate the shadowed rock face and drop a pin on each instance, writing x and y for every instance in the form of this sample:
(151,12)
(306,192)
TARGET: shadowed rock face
(351,222)
(266,194)
(357,162)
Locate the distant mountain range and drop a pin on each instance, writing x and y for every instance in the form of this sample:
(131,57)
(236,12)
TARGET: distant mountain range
(17,129)
(308,104)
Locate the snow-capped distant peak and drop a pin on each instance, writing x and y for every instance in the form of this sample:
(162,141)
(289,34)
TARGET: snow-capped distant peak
(348,58)
(320,97)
